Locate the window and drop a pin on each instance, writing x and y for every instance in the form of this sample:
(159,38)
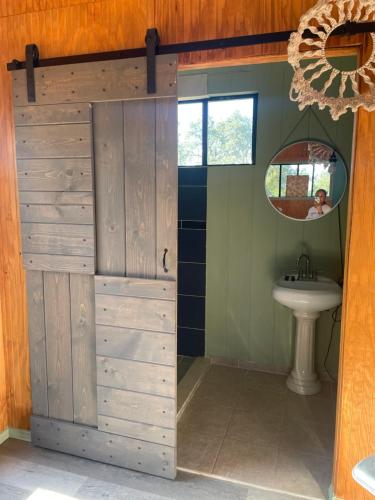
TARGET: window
(217,131)
(276,179)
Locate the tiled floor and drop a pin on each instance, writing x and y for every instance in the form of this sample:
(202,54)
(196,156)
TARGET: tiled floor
(248,426)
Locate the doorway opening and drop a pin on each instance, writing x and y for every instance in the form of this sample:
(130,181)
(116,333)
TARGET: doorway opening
(240,421)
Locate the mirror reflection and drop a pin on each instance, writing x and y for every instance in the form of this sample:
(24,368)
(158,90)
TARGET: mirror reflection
(306,180)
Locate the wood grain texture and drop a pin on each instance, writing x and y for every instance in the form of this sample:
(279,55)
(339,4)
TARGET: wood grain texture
(58,345)
(58,239)
(57,214)
(110,187)
(66,174)
(136,376)
(65,263)
(98,81)
(140,313)
(53,114)
(55,198)
(135,287)
(143,408)
(139,148)
(82,299)
(90,443)
(355,423)
(37,343)
(54,141)
(166,187)
(146,432)
(126,343)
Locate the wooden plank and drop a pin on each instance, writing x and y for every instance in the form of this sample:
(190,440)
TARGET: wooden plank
(110,187)
(145,408)
(136,376)
(98,81)
(130,312)
(91,443)
(57,214)
(55,198)
(37,342)
(55,174)
(125,343)
(58,239)
(52,114)
(135,287)
(136,430)
(82,299)
(166,187)
(61,263)
(139,144)
(59,354)
(54,141)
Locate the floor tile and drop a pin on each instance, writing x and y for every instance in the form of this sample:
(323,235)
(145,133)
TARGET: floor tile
(255,428)
(267,382)
(203,418)
(310,408)
(303,473)
(226,376)
(260,401)
(309,436)
(243,462)
(197,451)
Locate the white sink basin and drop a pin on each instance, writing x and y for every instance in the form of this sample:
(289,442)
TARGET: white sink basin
(307,299)
(308,296)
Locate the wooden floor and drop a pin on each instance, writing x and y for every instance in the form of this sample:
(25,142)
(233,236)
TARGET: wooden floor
(32,473)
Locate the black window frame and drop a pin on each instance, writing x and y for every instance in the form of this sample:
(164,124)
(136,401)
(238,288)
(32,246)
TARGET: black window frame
(312,190)
(204,101)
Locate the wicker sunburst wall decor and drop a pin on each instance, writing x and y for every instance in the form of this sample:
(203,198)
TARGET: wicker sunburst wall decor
(340,90)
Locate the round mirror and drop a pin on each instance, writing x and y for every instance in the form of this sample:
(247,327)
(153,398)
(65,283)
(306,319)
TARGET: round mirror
(306,180)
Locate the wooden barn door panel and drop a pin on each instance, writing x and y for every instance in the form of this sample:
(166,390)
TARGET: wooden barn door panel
(103,348)
(135,294)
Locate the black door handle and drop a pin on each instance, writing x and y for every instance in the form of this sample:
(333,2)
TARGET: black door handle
(164,260)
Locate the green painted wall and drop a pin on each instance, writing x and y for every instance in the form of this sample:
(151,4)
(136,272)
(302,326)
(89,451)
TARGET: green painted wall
(249,245)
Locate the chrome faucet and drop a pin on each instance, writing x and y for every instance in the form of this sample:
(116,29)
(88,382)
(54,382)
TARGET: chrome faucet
(303,274)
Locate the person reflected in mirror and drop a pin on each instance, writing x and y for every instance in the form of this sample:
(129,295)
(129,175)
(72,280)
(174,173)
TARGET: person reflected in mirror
(320,206)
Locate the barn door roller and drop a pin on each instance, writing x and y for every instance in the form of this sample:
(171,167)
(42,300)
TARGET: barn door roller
(32,60)
(152,43)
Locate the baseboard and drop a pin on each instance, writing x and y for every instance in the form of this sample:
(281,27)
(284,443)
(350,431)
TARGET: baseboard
(4,436)
(20,434)
(248,365)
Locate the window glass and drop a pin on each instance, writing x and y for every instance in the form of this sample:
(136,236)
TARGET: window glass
(190,151)
(230,131)
(322,178)
(272,181)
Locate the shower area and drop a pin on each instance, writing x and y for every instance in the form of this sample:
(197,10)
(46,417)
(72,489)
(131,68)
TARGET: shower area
(192,212)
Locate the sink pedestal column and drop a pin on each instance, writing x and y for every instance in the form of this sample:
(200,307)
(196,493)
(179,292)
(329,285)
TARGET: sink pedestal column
(303,378)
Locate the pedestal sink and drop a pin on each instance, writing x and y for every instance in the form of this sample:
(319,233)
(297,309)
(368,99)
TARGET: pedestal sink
(307,298)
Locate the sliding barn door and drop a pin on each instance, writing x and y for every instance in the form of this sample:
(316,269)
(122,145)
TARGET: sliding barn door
(97,178)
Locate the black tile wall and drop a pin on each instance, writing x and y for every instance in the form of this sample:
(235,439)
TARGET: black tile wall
(192,245)
(192,279)
(191,311)
(192,214)
(190,341)
(192,202)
